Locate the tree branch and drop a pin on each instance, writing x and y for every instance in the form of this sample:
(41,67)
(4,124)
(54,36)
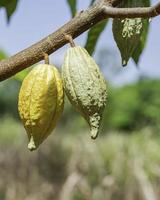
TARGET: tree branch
(51,43)
(74,28)
(143,12)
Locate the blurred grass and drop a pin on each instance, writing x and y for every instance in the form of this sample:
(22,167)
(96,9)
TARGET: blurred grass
(72,166)
(11,132)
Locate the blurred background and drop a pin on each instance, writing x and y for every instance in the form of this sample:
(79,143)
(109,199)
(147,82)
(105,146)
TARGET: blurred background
(124,162)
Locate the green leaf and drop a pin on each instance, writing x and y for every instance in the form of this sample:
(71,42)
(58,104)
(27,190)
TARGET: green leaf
(10,6)
(2,55)
(72,4)
(93,36)
(92,2)
(139,49)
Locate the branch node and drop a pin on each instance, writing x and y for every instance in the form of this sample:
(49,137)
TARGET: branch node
(70,40)
(79,13)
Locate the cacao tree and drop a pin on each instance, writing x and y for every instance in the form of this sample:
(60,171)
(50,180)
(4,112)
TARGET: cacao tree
(93,19)
(41,96)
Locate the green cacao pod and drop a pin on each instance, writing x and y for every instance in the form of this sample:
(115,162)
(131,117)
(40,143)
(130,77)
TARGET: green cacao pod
(40,104)
(85,86)
(127,32)
(134,3)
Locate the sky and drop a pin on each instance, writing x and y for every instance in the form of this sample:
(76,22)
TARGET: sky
(34,20)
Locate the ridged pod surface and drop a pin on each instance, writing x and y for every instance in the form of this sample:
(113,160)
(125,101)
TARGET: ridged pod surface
(127,32)
(40,104)
(85,86)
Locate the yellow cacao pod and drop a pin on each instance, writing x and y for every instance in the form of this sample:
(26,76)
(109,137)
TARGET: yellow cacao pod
(40,104)
(85,86)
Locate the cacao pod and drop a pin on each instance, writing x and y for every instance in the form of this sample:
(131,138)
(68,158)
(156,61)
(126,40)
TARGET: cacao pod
(40,104)
(85,86)
(127,32)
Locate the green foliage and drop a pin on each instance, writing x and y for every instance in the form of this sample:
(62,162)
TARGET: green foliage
(10,6)
(123,105)
(93,36)
(134,106)
(72,4)
(8,97)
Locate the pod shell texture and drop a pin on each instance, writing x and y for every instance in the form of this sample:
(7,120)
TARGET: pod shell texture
(85,86)
(40,104)
(127,32)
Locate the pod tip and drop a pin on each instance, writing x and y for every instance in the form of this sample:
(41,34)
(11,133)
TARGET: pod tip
(124,63)
(31,144)
(94,133)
